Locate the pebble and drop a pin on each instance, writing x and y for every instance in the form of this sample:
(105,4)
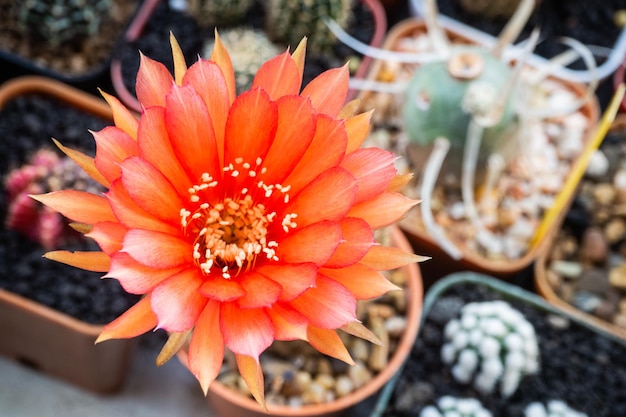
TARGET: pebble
(598,165)
(617,276)
(594,247)
(615,230)
(568,269)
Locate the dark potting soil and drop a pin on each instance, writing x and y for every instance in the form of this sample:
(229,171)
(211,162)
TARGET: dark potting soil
(578,366)
(590,22)
(27,124)
(154,40)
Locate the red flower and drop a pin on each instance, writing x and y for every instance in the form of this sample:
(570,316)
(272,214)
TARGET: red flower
(243,220)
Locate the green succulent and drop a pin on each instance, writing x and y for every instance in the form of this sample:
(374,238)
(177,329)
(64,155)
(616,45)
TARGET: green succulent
(288,21)
(209,13)
(63,21)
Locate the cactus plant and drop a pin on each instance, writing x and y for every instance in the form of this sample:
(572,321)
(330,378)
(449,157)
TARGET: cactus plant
(555,408)
(62,21)
(44,172)
(288,21)
(491,344)
(457,407)
(209,13)
(249,48)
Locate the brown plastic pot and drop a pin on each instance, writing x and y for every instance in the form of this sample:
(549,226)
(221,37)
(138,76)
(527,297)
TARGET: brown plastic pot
(38,336)
(226,402)
(442,263)
(543,287)
(147,8)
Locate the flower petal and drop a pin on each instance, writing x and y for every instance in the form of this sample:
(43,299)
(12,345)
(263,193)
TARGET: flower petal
(158,250)
(288,323)
(259,291)
(278,77)
(252,374)
(190,129)
(250,127)
(294,133)
(131,215)
(373,168)
(177,301)
(357,239)
(221,289)
(86,162)
(113,146)
(206,349)
(108,235)
(90,261)
(247,331)
(339,189)
(155,147)
(153,82)
(328,305)
(382,258)
(383,209)
(122,117)
(134,277)
(327,149)
(328,91)
(151,190)
(220,56)
(358,128)
(207,79)
(294,279)
(133,322)
(362,281)
(315,243)
(329,343)
(78,206)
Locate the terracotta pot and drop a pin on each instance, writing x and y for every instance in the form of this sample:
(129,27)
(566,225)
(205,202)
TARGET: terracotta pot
(137,26)
(541,268)
(43,338)
(442,263)
(227,402)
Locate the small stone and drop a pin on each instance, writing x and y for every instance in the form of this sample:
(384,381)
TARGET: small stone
(380,353)
(324,367)
(593,247)
(619,179)
(343,386)
(586,301)
(314,394)
(594,280)
(615,230)
(359,374)
(326,380)
(380,310)
(568,269)
(608,306)
(396,326)
(622,305)
(558,322)
(604,194)
(598,165)
(359,349)
(617,276)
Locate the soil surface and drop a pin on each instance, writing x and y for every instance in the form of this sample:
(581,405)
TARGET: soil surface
(154,41)
(578,366)
(70,61)
(27,124)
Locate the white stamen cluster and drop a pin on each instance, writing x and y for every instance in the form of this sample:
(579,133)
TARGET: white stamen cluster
(491,343)
(229,235)
(555,408)
(448,406)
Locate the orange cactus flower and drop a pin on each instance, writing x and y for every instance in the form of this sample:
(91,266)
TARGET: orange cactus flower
(240,219)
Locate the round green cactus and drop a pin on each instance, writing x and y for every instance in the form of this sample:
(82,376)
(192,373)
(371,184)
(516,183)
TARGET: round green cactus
(63,21)
(288,21)
(442,97)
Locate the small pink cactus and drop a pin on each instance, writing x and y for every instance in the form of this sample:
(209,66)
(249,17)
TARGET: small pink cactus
(45,172)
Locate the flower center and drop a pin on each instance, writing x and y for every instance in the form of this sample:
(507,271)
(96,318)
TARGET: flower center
(231,234)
